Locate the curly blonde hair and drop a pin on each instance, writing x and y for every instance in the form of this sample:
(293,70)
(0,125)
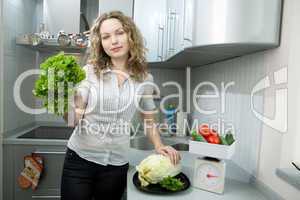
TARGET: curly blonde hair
(136,64)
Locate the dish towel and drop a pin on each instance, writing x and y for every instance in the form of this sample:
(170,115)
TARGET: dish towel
(30,175)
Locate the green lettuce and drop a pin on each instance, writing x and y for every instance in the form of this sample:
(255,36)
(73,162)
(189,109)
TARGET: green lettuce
(65,69)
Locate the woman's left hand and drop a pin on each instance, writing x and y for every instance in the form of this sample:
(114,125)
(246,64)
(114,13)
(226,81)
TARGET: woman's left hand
(169,151)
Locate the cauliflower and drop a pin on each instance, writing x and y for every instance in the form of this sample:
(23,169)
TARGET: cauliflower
(155,168)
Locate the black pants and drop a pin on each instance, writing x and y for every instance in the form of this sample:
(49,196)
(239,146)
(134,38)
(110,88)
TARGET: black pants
(85,180)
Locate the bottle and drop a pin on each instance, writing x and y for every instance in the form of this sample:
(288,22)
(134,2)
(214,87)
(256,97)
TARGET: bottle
(170,117)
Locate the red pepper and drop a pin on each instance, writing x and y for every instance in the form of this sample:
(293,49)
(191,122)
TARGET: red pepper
(214,139)
(213,132)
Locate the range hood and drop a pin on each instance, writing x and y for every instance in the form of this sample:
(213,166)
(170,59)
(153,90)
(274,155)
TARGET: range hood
(224,29)
(204,55)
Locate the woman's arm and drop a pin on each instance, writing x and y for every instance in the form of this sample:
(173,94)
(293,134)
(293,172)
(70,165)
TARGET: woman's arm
(75,113)
(154,137)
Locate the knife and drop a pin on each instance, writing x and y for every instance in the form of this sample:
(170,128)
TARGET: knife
(295,165)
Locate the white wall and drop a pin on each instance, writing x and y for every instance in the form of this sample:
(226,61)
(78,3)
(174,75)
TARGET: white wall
(55,10)
(126,6)
(276,149)
(244,72)
(18,18)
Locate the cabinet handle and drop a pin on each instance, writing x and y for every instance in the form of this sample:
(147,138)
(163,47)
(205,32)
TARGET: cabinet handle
(168,30)
(174,30)
(159,52)
(187,39)
(45,197)
(49,152)
(172,25)
(162,41)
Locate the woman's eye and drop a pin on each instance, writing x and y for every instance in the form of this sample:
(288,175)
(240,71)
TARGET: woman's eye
(105,37)
(120,33)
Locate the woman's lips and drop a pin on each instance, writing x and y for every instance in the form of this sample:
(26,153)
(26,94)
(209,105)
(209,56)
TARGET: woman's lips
(116,49)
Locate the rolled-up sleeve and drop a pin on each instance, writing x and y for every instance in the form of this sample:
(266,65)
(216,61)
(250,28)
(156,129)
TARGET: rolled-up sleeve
(82,88)
(147,101)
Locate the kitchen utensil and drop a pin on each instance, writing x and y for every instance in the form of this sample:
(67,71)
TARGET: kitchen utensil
(63,39)
(35,39)
(295,165)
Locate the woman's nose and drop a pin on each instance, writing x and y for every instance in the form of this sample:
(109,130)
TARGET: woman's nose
(114,39)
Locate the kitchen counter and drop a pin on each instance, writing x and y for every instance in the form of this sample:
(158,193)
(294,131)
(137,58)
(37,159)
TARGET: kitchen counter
(237,180)
(234,190)
(236,186)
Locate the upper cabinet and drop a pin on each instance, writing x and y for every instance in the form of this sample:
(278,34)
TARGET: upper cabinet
(166,25)
(199,32)
(188,23)
(150,17)
(175,18)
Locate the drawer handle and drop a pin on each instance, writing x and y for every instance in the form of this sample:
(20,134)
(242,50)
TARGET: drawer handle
(49,152)
(45,197)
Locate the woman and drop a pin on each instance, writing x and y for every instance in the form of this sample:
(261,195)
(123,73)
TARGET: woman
(96,161)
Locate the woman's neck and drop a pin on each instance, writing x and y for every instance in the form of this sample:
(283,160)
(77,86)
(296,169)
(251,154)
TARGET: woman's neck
(119,63)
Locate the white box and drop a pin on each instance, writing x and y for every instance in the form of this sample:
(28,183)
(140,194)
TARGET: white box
(212,150)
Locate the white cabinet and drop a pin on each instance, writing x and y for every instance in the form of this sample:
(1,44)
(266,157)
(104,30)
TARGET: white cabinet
(198,32)
(150,17)
(180,25)
(188,23)
(175,13)
(167,26)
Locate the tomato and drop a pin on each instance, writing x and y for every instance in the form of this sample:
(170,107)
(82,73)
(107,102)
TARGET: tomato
(213,132)
(204,130)
(214,139)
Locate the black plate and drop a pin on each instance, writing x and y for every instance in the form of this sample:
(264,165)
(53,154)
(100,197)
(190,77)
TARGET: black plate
(157,189)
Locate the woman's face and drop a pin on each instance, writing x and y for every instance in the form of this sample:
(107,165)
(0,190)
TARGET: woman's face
(114,38)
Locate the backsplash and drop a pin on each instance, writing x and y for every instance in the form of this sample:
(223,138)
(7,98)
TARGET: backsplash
(244,73)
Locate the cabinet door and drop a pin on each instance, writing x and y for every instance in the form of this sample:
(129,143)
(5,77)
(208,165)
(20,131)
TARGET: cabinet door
(188,23)
(49,184)
(180,25)
(8,172)
(175,19)
(150,17)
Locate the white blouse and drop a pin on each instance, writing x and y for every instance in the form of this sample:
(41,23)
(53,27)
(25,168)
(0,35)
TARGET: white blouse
(103,135)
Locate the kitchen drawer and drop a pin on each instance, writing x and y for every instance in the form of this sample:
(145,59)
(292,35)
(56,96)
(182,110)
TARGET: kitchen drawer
(49,184)
(41,195)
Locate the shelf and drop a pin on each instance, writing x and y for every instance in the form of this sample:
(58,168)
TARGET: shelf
(54,48)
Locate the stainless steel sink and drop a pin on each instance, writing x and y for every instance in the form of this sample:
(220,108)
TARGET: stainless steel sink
(181,147)
(143,143)
(48,132)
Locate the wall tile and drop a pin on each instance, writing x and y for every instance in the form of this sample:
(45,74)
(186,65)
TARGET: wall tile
(245,72)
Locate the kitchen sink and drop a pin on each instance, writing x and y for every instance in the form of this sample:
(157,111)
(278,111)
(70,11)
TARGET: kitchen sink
(143,143)
(48,132)
(181,147)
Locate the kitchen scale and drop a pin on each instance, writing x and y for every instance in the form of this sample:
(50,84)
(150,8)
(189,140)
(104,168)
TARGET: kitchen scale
(209,169)
(209,174)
